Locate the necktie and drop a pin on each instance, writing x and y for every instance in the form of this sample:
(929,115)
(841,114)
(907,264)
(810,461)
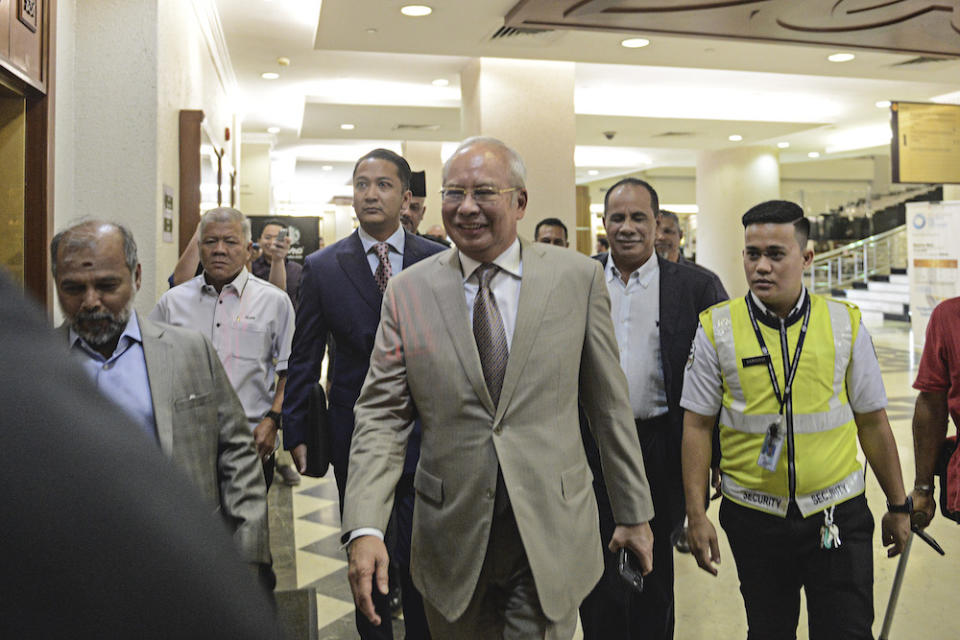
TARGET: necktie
(384,270)
(489,333)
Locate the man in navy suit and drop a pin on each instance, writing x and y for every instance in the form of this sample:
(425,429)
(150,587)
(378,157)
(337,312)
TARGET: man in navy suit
(655,305)
(341,291)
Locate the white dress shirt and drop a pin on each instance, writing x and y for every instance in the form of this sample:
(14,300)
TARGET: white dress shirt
(505,286)
(250,324)
(396,243)
(123,376)
(635,309)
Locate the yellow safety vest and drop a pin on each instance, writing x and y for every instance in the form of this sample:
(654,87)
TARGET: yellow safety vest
(818,464)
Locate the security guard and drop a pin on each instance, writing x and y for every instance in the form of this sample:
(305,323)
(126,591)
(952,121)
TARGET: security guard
(795,381)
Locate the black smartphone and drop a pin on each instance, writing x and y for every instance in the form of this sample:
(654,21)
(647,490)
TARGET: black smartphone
(629,568)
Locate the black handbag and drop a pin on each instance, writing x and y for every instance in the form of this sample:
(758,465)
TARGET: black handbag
(318,439)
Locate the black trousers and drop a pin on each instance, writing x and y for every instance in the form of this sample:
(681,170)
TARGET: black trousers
(777,556)
(397,538)
(612,611)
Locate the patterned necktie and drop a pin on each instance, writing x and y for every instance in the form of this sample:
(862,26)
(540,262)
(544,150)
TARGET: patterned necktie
(384,270)
(489,333)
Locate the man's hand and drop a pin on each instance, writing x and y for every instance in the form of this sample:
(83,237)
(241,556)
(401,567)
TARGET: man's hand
(278,250)
(299,455)
(924,508)
(265,437)
(895,530)
(368,556)
(638,538)
(702,538)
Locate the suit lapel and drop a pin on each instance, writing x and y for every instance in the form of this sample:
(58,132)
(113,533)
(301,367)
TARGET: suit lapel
(535,287)
(448,289)
(669,311)
(411,250)
(354,263)
(161,376)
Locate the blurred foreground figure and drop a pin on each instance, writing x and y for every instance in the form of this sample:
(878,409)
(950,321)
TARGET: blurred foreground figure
(110,541)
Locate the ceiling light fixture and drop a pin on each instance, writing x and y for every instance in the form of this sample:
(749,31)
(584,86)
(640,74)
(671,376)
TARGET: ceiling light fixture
(813,154)
(416,10)
(273,129)
(841,57)
(735,138)
(783,145)
(327,167)
(634,43)
(347,126)
(593,172)
(269,75)
(882,104)
(440,82)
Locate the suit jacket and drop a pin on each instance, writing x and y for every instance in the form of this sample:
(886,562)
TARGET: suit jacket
(685,291)
(202,428)
(339,297)
(425,356)
(109,540)
(720,291)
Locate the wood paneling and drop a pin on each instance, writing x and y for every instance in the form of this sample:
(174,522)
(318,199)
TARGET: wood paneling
(190,120)
(5,28)
(26,44)
(583,235)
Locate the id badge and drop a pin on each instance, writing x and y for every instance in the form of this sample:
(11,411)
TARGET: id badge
(772,446)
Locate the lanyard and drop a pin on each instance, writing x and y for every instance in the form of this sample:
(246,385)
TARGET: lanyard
(791,371)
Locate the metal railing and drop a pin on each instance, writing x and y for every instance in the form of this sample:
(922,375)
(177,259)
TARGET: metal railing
(859,260)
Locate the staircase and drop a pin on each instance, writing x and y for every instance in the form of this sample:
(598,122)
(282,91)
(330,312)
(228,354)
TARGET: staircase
(881,298)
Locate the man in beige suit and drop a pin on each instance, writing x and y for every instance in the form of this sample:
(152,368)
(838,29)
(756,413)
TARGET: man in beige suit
(167,379)
(477,340)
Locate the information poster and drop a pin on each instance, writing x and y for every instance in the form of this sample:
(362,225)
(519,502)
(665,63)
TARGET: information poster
(933,255)
(926,142)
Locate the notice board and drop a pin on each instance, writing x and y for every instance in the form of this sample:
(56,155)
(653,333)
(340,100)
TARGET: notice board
(925,146)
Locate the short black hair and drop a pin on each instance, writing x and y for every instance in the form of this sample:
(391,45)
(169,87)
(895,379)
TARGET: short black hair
(635,182)
(403,167)
(550,222)
(780,212)
(275,222)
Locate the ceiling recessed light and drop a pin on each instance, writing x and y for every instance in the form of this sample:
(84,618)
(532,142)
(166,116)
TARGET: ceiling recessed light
(735,138)
(783,145)
(327,167)
(371,31)
(882,104)
(813,154)
(440,82)
(347,127)
(593,172)
(273,129)
(634,43)
(841,57)
(269,75)
(416,10)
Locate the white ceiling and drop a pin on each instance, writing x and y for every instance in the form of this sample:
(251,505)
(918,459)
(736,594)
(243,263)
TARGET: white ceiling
(362,62)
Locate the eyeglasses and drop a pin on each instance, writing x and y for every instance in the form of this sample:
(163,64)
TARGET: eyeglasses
(480,194)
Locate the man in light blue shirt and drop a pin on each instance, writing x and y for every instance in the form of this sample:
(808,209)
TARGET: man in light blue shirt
(167,379)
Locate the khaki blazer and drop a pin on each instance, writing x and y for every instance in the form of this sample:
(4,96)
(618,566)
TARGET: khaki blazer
(202,428)
(425,361)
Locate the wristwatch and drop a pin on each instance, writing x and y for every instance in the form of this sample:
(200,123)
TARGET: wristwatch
(906,507)
(276,416)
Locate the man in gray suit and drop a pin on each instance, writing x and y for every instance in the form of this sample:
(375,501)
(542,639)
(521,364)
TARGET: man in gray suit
(477,341)
(167,379)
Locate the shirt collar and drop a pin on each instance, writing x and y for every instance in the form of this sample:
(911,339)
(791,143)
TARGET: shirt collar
(238,284)
(396,240)
(508,261)
(131,332)
(643,276)
(793,312)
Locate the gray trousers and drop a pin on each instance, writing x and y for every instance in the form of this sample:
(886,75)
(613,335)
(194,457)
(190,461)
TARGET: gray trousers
(505,604)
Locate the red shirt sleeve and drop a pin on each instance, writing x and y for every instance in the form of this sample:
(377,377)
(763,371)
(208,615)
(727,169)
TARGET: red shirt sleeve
(934,371)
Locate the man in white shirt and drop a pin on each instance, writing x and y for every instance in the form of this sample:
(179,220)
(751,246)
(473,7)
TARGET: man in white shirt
(655,305)
(248,320)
